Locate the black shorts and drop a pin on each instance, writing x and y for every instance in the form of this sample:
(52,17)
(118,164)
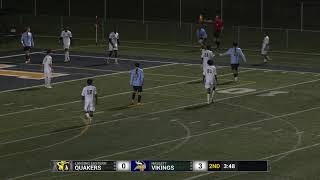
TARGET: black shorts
(137,88)
(217,34)
(234,66)
(27,48)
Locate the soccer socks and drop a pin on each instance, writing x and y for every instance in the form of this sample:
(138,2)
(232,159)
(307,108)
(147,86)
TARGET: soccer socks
(46,82)
(208,98)
(66,56)
(139,98)
(133,96)
(49,82)
(212,95)
(116,60)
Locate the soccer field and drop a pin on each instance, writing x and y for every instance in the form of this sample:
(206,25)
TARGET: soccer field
(272,114)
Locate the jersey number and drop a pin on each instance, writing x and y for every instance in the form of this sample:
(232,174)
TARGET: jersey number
(89,92)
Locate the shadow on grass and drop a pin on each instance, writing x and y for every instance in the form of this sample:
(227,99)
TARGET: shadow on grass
(195,107)
(29,89)
(226,83)
(68,128)
(195,82)
(121,107)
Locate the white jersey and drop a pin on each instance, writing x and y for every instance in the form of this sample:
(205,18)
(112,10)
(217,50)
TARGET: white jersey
(206,56)
(47,62)
(210,74)
(66,37)
(114,38)
(89,93)
(265,45)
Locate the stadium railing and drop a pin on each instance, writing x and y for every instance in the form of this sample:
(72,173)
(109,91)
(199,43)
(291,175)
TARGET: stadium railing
(47,29)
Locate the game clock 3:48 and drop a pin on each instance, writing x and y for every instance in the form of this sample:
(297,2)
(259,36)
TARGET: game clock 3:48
(229,166)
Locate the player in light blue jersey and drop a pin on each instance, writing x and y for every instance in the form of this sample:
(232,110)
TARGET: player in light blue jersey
(27,43)
(236,55)
(136,81)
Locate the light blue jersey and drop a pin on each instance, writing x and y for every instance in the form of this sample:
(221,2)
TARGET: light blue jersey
(202,34)
(27,39)
(235,54)
(137,77)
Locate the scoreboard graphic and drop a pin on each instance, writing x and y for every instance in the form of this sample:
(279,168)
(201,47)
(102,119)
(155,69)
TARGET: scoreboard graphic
(159,166)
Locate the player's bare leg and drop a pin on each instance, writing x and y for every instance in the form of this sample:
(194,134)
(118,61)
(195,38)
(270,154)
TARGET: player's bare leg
(109,56)
(235,75)
(66,55)
(208,95)
(139,98)
(28,59)
(213,91)
(116,57)
(133,97)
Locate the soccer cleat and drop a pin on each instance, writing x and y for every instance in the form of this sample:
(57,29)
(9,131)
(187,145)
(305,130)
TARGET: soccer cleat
(236,79)
(49,87)
(139,104)
(265,60)
(27,62)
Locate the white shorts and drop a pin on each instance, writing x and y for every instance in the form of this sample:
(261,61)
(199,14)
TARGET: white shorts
(89,106)
(47,74)
(66,46)
(209,85)
(264,51)
(111,48)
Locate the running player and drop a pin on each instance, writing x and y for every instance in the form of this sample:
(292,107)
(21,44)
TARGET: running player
(47,69)
(265,48)
(90,98)
(27,43)
(218,27)
(211,81)
(113,46)
(207,55)
(136,81)
(235,54)
(66,39)
(202,36)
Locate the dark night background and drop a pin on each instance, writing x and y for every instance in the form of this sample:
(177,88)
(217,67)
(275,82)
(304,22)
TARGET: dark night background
(277,13)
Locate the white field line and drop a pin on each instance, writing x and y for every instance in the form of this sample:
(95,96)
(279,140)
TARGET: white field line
(162,111)
(195,122)
(214,124)
(81,79)
(83,131)
(157,118)
(107,96)
(197,135)
(187,138)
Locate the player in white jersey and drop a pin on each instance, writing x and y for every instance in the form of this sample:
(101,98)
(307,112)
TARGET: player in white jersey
(90,97)
(207,55)
(265,48)
(47,69)
(66,39)
(113,46)
(211,81)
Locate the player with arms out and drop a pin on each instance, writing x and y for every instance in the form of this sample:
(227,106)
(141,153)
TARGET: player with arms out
(137,81)
(265,48)
(90,97)
(47,69)
(66,39)
(235,54)
(113,46)
(207,55)
(218,27)
(27,43)
(211,81)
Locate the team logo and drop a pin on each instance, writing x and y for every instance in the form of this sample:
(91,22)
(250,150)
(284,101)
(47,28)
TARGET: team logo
(62,165)
(139,166)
